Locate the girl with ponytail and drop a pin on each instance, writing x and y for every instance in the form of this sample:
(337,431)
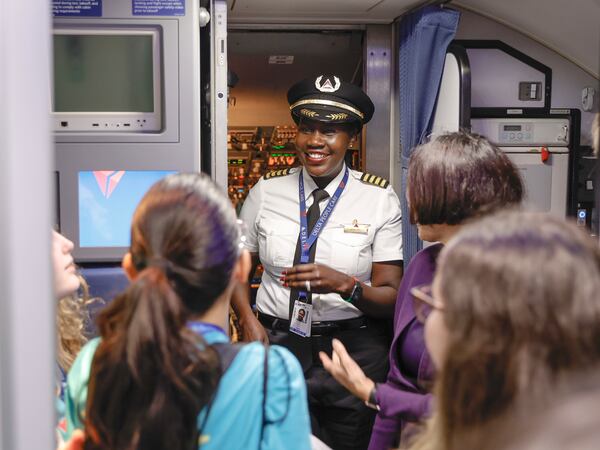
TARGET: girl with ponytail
(163,375)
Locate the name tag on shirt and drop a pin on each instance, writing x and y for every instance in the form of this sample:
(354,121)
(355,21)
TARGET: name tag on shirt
(358,228)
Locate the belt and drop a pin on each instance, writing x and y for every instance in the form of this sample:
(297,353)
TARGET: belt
(323,328)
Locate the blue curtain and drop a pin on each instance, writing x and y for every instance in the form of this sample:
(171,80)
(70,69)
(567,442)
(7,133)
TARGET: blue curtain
(424,38)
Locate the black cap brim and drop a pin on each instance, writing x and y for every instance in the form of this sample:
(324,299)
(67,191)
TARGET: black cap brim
(324,113)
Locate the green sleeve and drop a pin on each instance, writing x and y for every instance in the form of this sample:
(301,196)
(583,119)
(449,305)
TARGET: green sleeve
(77,384)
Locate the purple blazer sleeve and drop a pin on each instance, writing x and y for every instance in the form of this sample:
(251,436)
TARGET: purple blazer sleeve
(399,398)
(401,406)
(405,405)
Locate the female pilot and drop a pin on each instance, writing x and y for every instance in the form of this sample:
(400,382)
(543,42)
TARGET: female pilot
(329,239)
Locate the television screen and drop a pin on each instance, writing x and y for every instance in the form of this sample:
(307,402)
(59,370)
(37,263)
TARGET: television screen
(107,200)
(107,79)
(103,73)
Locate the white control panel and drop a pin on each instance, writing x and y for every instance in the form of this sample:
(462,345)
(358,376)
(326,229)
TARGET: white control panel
(524,131)
(539,148)
(133,122)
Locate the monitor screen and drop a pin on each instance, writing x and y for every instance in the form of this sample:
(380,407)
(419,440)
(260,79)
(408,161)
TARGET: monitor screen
(97,73)
(107,200)
(106,79)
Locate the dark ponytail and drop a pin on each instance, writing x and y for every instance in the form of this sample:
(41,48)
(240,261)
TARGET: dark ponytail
(151,375)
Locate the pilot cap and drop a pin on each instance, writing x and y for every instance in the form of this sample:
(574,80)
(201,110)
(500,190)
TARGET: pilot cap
(327,98)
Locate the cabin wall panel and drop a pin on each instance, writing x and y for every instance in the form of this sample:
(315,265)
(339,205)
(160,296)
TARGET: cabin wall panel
(568,79)
(260,97)
(378,85)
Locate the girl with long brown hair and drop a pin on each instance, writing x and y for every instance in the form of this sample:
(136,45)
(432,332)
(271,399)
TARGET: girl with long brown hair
(163,374)
(515,312)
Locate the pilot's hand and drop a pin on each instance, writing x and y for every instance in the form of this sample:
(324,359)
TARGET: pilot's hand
(252,330)
(321,279)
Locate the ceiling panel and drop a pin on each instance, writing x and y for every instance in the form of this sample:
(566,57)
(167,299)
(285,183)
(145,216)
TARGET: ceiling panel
(572,28)
(318,11)
(267,43)
(303,6)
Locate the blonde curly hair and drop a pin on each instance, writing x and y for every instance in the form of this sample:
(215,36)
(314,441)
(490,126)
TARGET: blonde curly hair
(71,317)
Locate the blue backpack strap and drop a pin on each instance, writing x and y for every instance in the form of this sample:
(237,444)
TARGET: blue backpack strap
(227,353)
(264,400)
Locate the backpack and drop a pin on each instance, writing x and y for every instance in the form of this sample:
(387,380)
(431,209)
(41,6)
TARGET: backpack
(227,353)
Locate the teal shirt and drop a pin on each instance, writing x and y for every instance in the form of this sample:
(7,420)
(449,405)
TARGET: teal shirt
(235,417)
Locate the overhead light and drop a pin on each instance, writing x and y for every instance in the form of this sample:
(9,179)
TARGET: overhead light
(281,59)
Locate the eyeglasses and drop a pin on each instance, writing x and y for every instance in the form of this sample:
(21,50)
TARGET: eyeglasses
(424,302)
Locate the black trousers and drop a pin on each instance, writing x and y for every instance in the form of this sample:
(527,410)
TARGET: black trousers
(338,418)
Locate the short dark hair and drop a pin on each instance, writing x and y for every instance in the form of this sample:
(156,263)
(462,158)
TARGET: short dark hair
(458,176)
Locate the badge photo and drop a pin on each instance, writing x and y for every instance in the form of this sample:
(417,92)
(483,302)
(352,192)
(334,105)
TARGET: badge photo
(301,319)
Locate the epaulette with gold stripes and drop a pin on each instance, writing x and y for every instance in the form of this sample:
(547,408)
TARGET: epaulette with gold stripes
(374,180)
(278,173)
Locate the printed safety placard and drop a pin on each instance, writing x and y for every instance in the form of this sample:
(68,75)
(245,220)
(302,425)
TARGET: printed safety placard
(158,7)
(76,8)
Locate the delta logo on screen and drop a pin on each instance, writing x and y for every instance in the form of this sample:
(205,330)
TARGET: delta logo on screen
(105,212)
(108,180)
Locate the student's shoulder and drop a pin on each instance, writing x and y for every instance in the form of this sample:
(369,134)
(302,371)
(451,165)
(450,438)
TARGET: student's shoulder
(80,370)
(88,350)
(279,359)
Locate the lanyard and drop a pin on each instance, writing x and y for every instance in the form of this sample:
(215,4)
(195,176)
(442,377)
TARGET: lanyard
(306,239)
(202,328)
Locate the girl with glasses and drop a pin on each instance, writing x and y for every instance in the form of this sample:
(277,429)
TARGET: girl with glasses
(519,317)
(452,179)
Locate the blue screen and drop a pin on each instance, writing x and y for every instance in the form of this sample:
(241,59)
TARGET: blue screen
(107,200)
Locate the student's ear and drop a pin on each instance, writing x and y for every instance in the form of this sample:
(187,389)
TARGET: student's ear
(242,267)
(128,267)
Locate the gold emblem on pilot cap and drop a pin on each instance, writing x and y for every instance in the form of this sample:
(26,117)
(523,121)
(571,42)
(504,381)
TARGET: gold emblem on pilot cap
(337,116)
(309,113)
(326,85)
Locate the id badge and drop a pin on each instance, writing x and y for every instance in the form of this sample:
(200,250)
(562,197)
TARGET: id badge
(301,319)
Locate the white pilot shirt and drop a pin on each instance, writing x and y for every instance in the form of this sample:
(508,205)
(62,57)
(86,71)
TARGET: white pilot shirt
(272,215)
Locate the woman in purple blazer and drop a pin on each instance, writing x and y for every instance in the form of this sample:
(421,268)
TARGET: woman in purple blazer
(452,179)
